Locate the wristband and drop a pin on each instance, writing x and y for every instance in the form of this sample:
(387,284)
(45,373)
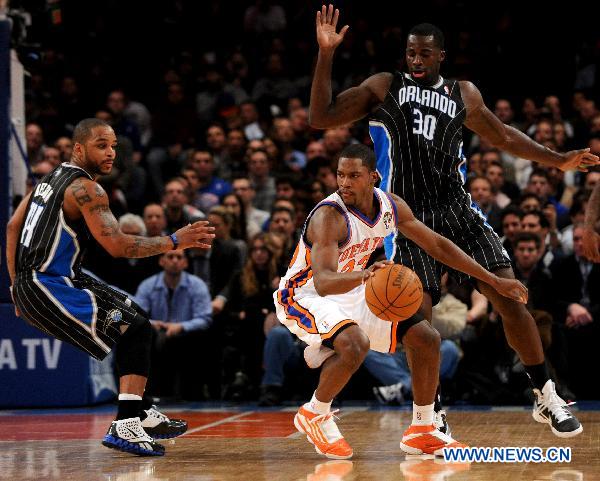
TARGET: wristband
(173,237)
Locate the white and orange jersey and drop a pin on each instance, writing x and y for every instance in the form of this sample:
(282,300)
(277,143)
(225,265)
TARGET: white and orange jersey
(364,235)
(315,318)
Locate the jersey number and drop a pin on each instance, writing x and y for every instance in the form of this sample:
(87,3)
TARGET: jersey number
(33,216)
(424,126)
(349,267)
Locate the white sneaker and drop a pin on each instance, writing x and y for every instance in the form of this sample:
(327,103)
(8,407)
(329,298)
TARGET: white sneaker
(551,409)
(128,435)
(316,354)
(440,422)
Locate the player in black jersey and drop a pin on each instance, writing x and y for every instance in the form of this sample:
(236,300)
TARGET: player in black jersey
(416,126)
(46,238)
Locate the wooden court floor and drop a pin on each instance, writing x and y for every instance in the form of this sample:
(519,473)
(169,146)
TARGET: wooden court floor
(247,444)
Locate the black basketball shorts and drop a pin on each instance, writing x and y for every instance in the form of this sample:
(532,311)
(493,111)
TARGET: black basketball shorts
(82,311)
(461,221)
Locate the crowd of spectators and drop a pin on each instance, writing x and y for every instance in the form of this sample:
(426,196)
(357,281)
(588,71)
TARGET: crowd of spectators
(223,134)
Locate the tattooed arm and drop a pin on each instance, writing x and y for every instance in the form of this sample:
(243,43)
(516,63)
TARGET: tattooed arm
(86,198)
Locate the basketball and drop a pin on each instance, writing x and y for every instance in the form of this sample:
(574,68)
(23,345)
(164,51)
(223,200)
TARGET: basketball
(394,293)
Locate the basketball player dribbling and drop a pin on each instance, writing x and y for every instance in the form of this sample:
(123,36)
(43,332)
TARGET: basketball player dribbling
(321,299)
(416,123)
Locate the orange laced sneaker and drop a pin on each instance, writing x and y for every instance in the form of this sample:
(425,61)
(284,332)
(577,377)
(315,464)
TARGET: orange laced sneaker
(323,433)
(427,440)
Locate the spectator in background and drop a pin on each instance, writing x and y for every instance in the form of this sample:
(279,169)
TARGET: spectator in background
(251,310)
(480,189)
(177,211)
(530,202)
(578,307)
(251,121)
(52,155)
(263,184)
(115,103)
(155,220)
(315,149)
(34,140)
(504,190)
(284,188)
(211,189)
(510,217)
(550,247)
(217,265)
(539,184)
(173,127)
(245,190)
(243,228)
(284,135)
(577,216)
(235,161)
(65,146)
(179,308)
(282,223)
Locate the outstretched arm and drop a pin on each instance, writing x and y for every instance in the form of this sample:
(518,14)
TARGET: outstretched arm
(326,229)
(485,124)
(446,251)
(352,104)
(591,239)
(88,198)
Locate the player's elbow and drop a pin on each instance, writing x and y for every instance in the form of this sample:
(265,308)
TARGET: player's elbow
(321,286)
(319,121)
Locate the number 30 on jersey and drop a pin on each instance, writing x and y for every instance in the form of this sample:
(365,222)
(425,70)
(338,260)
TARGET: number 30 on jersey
(423,125)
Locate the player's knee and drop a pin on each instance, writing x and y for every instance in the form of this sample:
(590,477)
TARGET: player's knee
(133,349)
(423,337)
(352,345)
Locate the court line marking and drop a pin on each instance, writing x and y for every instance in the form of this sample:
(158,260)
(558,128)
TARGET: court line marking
(217,423)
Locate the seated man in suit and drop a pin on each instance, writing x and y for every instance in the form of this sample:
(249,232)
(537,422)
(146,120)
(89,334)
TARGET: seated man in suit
(577,297)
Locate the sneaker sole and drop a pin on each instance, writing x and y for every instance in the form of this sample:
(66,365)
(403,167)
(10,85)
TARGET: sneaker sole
(568,434)
(164,435)
(300,429)
(127,447)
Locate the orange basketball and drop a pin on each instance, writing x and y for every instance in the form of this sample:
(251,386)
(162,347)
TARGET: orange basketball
(394,293)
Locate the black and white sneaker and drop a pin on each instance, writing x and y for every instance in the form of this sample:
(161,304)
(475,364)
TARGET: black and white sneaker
(129,436)
(441,423)
(160,426)
(548,407)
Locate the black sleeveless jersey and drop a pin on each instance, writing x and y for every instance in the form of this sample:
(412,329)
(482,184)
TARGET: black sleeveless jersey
(48,242)
(417,135)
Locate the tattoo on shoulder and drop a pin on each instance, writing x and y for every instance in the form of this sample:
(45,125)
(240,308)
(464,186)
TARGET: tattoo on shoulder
(80,192)
(99,191)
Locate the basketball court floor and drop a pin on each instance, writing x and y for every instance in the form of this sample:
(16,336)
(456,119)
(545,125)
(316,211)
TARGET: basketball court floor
(249,443)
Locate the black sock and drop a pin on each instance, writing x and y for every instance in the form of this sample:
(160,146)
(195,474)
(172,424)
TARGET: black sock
(437,402)
(129,409)
(538,375)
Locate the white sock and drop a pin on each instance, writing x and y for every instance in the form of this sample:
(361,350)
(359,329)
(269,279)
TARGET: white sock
(316,406)
(129,397)
(422,415)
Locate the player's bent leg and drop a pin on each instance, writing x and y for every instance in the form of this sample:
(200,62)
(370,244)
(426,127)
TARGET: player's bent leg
(315,418)
(523,336)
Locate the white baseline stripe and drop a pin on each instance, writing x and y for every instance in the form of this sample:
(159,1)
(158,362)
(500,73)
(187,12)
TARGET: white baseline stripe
(217,423)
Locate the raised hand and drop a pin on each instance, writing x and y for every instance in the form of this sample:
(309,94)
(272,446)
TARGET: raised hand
(199,234)
(579,159)
(512,289)
(327,20)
